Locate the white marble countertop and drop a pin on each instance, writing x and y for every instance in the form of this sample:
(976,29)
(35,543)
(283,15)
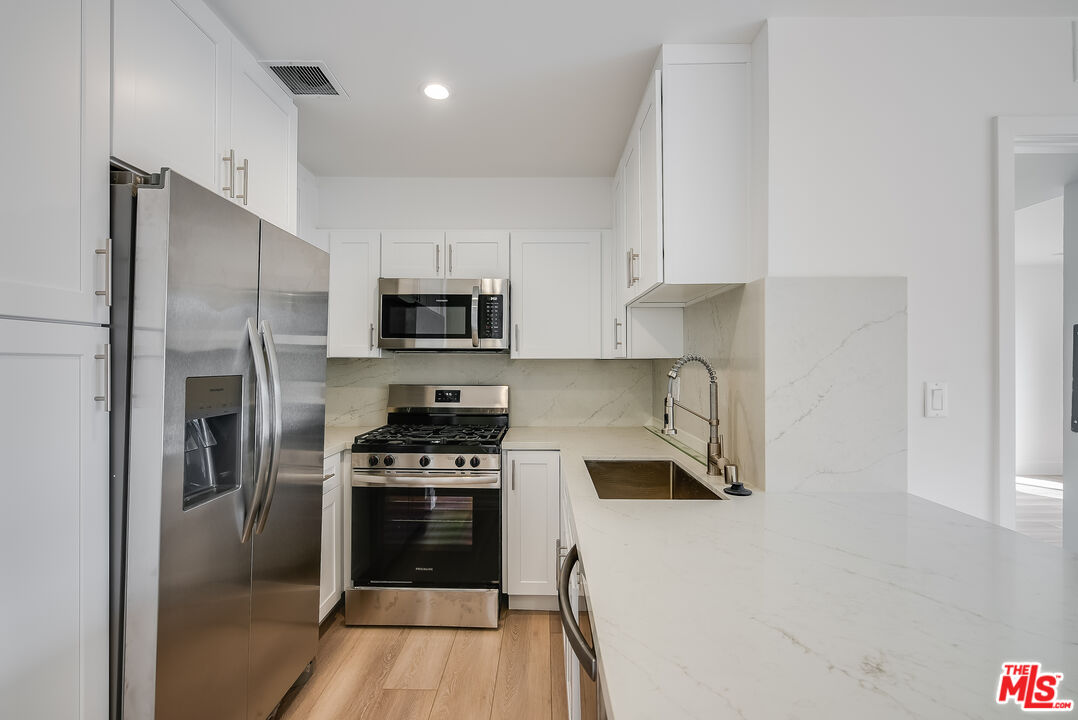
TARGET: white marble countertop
(339,439)
(840,605)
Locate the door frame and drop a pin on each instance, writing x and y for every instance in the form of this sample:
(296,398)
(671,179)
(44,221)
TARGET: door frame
(1012,133)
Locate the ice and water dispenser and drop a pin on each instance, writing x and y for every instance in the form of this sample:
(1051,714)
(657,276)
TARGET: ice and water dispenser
(212,434)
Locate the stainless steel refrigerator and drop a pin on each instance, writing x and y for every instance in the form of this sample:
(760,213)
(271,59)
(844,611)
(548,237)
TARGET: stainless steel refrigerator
(218,371)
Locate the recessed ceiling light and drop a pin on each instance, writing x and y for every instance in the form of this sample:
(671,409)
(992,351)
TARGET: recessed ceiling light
(436,91)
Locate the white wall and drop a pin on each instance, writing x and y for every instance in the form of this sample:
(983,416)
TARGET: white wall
(465,203)
(1040,386)
(881,163)
(307,210)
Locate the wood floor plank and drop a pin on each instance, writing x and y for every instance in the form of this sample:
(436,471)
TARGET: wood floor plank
(422,659)
(555,623)
(559,703)
(402,705)
(333,649)
(467,687)
(522,690)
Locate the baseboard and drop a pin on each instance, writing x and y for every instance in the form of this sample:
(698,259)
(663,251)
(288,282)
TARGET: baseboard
(533,602)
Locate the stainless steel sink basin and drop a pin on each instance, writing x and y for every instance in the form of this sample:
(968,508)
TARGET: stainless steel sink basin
(645,480)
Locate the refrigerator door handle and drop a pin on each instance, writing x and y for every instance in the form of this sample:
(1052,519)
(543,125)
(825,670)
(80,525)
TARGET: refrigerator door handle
(278,424)
(262,409)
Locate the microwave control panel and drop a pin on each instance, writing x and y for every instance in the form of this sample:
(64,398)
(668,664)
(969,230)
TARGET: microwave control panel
(491,312)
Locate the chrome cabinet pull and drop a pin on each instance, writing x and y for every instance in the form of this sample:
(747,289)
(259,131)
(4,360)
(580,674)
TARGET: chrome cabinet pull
(372,336)
(634,262)
(107,252)
(274,367)
(106,397)
(617,326)
(230,188)
(516,332)
(246,170)
(449,260)
(327,476)
(262,409)
(437,259)
(513,475)
(584,653)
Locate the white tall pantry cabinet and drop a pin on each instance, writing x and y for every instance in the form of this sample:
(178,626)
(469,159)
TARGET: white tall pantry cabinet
(53,361)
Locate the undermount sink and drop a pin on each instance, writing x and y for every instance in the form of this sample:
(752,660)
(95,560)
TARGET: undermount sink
(645,480)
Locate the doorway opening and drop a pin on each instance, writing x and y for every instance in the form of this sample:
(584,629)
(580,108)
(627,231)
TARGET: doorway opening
(1038,304)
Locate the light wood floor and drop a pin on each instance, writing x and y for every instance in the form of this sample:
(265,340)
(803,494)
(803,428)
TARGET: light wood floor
(1038,516)
(388,673)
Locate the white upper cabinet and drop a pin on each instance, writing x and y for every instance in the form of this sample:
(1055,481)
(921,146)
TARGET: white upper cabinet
(264,132)
(685,172)
(187,95)
(413,253)
(477,254)
(649,134)
(613,314)
(54,138)
(353,293)
(556,304)
(171,88)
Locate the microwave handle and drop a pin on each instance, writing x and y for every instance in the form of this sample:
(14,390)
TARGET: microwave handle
(475,316)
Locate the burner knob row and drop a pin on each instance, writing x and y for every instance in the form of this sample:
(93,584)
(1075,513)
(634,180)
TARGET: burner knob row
(459,461)
(424,461)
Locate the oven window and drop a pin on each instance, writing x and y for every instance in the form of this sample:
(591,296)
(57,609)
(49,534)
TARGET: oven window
(434,521)
(426,537)
(426,316)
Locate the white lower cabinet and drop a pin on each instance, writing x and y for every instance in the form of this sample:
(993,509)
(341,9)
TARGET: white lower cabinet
(531,489)
(330,578)
(54,521)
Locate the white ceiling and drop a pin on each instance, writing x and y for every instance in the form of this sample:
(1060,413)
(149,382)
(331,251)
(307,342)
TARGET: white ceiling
(539,89)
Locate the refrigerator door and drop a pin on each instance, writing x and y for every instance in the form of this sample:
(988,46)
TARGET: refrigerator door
(292,299)
(191,459)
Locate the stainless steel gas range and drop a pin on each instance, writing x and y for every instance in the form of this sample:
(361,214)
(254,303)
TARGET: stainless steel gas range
(426,509)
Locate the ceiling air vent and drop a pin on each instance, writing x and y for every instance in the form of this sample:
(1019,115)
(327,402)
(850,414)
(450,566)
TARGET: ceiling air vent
(305,78)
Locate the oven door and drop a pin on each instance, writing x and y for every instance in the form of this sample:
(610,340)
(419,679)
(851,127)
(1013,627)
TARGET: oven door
(432,314)
(444,533)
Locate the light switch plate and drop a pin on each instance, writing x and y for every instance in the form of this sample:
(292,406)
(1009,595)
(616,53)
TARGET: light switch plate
(935,399)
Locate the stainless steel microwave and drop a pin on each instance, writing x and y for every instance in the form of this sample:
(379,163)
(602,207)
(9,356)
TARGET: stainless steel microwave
(449,314)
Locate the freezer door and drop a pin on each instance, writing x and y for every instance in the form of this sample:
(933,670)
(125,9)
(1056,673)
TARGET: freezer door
(191,460)
(292,302)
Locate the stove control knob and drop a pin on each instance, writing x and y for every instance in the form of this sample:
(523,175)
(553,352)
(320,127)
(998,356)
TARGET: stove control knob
(424,461)
(372,460)
(459,462)
(475,461)
(388,460)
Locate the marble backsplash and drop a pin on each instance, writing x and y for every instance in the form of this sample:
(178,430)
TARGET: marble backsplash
(812,381)
(541,392)
(835,384)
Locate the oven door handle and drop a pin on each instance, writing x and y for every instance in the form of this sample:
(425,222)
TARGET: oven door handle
(425,481)
(475,316)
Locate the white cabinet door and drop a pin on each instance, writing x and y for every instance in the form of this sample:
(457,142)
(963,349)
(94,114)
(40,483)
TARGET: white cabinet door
(706,172)
(614,268)
(649,130)
(54,138)
(413,253)
(477,254)
(532,491)
(263,132)
(556,304)
(330,576)
(171,88)
(353,293)
(54,542)
(631,242)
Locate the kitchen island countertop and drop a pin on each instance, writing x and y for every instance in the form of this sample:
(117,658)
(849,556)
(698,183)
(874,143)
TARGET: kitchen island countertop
(830,605)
